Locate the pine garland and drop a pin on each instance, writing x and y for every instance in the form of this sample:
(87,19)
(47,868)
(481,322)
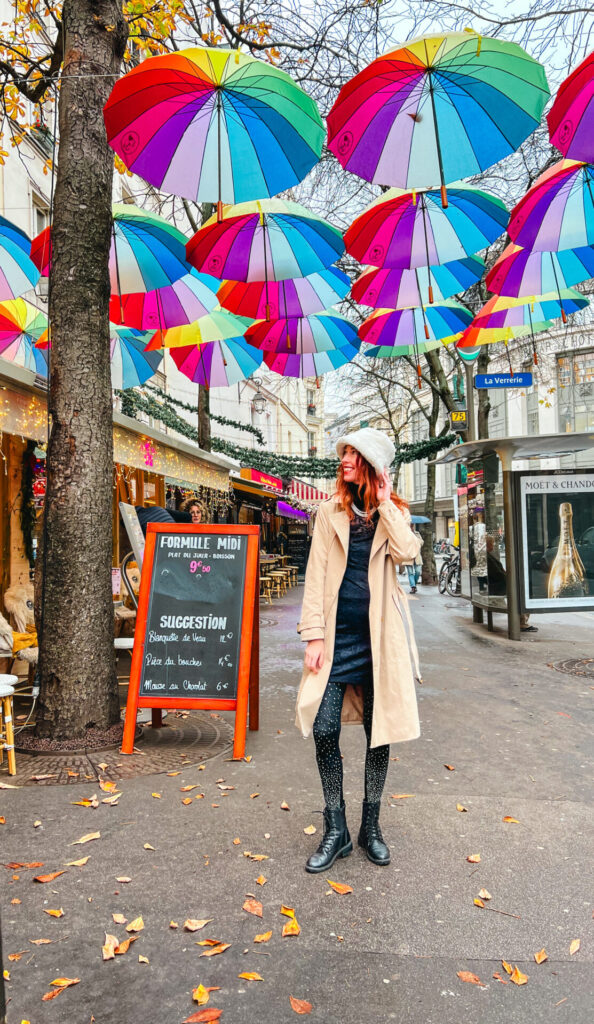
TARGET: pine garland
(249,428)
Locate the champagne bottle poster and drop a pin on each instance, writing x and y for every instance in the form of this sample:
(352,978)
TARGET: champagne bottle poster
(557,513)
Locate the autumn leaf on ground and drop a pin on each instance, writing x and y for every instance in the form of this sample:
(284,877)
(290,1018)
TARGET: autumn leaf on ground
(147,846)
(261,880)
(40,778)
(112,800)
(40,942)
(200,995)
(107,787)
(253,796)
(469,977)
(253,907)
(517,977)
(250,976)
(255,856)
(485,894)
(236,842)
(2,820)
(541,956)
(401,796)
(136,925)
(263,937)
(510,820)
(90,801)
(157,796)
(224,788)
(477,902)
(340,887)
(77,863)
(123,879)
(285,806)
(461,807)
(48,878)
(450,767)
(291,928)
(498,977)
(14,957)
(287,911)
(187,800)
(119,919)
(171,774)
(310,830)
(300,1005)
(54,913)
(474,858)
(507,967)
(103,766)
(143,959)
(109,946)
(575,945)
(202,1017)
(194,924)
(220,947)
(188,789)
(65,982)
(86,839)
(125,945)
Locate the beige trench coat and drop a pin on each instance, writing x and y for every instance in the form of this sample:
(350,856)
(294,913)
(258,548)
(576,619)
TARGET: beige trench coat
(395,715)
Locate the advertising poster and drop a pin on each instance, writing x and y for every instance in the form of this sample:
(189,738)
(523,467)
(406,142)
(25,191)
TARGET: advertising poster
(557,538)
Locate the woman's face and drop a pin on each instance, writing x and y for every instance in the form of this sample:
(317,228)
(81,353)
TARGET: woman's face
(196,513)
(350,464)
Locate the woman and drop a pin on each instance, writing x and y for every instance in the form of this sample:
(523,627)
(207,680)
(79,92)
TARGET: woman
(195,509)
(357,662)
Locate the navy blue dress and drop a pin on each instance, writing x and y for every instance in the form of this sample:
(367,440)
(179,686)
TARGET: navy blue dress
(352,661)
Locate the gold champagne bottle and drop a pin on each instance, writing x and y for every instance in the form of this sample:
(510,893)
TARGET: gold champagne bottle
(567,577)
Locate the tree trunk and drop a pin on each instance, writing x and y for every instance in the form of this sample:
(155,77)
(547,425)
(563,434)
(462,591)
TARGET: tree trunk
(77,669)
(204,418)
(484,404)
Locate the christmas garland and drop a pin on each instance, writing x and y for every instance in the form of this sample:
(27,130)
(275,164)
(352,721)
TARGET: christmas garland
(28,515)
(285,466)
(223,420)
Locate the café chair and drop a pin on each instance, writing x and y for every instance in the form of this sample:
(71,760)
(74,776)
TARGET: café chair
(7,684)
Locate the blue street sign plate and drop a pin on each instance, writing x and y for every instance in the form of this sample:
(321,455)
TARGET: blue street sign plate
(503,380)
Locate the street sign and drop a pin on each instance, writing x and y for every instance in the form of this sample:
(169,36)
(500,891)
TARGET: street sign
(503,380)
(458,420)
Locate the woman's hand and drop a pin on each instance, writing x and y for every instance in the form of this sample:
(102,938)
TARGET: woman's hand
(384,489)
(314,655)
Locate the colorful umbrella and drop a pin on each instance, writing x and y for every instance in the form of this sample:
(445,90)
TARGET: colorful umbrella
(18,274)
(503,311)
(298,297)
(437,109)
(213,124)
(180,303)
(571,118)
(216,326)
(21,327)
(147,252)
(558,211)
(394,351)
(397,289)
(523,272)
(320,332)
(408,326)
(271,240)
(312,364)
(412,229)
(131,365)
(217,364)
(474,336)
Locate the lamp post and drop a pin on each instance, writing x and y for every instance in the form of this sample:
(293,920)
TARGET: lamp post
(259,401)
(468,357)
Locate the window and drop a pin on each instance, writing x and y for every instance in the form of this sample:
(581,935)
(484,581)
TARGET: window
(41,215)
(575,381)
(532,411)
(498,413)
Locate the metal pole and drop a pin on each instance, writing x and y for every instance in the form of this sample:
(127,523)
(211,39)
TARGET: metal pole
(511,569)
(471,434)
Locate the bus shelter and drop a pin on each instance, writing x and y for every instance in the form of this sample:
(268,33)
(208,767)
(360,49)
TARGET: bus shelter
(526,534)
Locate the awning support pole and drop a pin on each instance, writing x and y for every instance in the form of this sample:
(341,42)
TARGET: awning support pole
(511,568)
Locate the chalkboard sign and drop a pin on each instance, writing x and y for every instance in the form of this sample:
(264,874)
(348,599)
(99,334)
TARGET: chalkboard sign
(297,549)
(195,623)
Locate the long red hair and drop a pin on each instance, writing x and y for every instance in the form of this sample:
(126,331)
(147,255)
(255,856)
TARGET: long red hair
(368,486)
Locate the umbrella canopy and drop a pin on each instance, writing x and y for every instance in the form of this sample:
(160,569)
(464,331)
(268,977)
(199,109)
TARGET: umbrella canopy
(217,364)
(179,303)
(503,311)
(18,273)
(409,326)
(21,327)
(310,364)
(216,326)
(130,364)
(147,252)
(474,335)
(213,124)
(558,211)
(419,519)
(320,332)
(271,240)
(394,351)
(412,229)
(397,289)
(298,297)
(571,118)
(524,272)
(439,108)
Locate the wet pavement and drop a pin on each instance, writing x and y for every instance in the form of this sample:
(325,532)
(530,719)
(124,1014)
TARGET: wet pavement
(517,734)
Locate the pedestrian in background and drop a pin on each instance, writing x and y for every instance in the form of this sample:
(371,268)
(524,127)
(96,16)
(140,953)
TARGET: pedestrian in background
(414,568)
(357,662)
(195,509)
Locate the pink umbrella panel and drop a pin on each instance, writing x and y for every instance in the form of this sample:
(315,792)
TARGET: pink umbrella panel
(571,118)
(182,302)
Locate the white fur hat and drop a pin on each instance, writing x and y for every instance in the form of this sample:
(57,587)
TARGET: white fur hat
(373,445)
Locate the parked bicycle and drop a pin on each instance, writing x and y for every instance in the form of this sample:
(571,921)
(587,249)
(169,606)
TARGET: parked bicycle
(443,571)
(453,580)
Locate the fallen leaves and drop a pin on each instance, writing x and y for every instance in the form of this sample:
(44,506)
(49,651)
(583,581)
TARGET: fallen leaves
(474,858)
(402,796)
(250,976)
(461,808)
(469,977)
(510,821)
(109,946)
(157,796)
(310,830)
(201,994)
(15,957)
(203,1017)
(119,919)
(50,877)
(77,863)
(541,956)
(261,880)
(300,1005)
(61,985)
(263,937)
(54,913)
(106,786)
(450,767)
(253,907)
(485,894)
(88,838)
(136,925)
(284,806)
(147,846)
(215,946)
(87,801)
(340,887)
(574,946)
(517,977)
(187,800)
(123,879)
(195,924)
(143,959)
(291,927)
(255,856)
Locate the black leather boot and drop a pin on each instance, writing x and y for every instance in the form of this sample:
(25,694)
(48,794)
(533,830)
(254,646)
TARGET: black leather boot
(370,835)
(335,843)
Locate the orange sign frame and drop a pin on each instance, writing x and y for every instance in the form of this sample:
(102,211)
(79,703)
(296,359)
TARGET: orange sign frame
(248,693)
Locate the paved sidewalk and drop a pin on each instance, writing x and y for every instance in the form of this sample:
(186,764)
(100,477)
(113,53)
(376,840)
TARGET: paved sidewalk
(518,735)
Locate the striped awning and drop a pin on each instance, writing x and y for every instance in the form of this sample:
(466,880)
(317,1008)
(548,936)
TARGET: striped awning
(306,492)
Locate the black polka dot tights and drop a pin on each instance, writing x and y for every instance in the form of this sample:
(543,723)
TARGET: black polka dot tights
(326,733)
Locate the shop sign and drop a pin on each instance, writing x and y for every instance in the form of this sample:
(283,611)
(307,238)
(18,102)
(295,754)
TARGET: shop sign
(458,420)
(503,380)
(273,482)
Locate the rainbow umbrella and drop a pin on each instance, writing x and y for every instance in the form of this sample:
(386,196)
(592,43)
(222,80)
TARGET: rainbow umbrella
(269,240)
(475,336)
(408,326)
(298,297)
(437,109)
(217,364)
(18,274)
(147,252)
(213,124)
(503,311)
(21,326)
(310,364)
(182,302)
(131,365)
(571,118)
(397,289)
(412,229)
(320,332)
(524,272)
(216,326)
(558,211)
(396,351)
